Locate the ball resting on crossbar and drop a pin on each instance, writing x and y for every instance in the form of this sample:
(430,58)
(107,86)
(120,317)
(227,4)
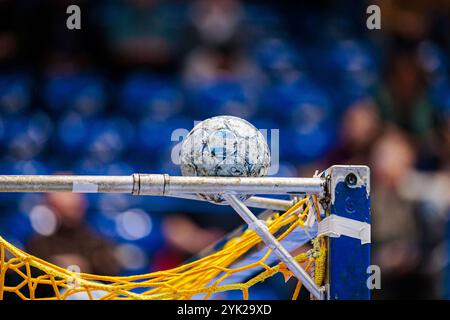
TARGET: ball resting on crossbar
(224,146)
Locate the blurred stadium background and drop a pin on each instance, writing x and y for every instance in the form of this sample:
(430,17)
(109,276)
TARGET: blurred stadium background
(106,100)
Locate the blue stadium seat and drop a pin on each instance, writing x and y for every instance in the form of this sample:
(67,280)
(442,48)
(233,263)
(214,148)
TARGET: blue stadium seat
(286,100)
(169,160)
(72,134)
(352,71)
(146,95)
(110,138)
(2,130)
(261,21)
(310,145)
(15,93)
(433,60)
(155,137)
(29,167)
(278,58)
(84,92)
(223,96)
(15,226)
(307,117)
(440,96)
(88,166)
(27,136)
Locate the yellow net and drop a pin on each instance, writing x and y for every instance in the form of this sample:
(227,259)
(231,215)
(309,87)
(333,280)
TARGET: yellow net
(201,278)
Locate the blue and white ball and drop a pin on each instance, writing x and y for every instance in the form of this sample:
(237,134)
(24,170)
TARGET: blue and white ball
(224,146)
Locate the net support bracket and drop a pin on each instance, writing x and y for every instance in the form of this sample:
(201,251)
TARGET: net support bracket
(335,226)
(268,238)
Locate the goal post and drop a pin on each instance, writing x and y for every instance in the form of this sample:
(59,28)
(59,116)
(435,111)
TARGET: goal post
(349,257)
(341,213)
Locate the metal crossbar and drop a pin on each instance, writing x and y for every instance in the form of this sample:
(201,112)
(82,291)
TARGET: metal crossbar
(160,184)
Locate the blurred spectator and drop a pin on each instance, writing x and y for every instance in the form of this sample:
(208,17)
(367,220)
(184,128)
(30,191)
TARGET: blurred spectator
(402,98)
(222,81)
(414,20)
(69,241)
(359,129)
(446,144)
(9,43)
(397,233)
(178,230)
(216,22)
(205,64)
(441,144)
(143,32)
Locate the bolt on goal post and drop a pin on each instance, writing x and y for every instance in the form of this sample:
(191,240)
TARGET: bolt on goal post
(343,193)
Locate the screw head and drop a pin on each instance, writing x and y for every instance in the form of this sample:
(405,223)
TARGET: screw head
(351,179)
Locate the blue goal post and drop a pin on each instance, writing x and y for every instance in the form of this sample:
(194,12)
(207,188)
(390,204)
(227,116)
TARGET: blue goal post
(348,257)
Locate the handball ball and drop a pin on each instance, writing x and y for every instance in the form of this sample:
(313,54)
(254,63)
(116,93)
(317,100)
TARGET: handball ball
(224,146)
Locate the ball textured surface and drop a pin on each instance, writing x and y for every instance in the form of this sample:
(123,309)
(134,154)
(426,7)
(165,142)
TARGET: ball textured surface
(224,146)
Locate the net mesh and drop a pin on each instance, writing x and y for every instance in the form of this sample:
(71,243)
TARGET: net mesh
(202,278)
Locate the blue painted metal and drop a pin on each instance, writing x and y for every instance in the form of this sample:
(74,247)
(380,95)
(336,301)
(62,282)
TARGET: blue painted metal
(348,258)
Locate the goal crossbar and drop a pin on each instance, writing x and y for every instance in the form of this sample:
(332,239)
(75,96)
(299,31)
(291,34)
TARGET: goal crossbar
(160,184)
